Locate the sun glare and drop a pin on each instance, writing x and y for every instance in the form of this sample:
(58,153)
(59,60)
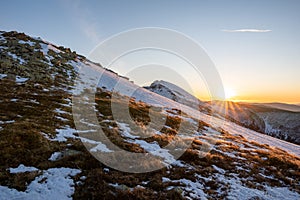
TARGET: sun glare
(229,93)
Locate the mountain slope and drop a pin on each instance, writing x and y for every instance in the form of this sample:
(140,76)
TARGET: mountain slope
(275,122)
(268,119)
(283,106)
(41,152)
(175,93)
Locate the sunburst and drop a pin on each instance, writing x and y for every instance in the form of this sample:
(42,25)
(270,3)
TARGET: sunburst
(229,93)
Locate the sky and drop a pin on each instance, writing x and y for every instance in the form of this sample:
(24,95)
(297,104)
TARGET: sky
(255,45)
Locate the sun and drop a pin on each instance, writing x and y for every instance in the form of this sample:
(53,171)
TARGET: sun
(229,93)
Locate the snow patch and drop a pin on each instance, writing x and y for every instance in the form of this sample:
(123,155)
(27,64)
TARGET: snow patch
(63,134)
(54,183)
(238,191)
(155,150)
(220,170)
(7,122)
(30,43)
(55,156)
(61,118)
(3,76)
(126,130)
(47,47)
(74,64)
(191,189)
(15,57)
(20,79)
(101,147)
(21,169)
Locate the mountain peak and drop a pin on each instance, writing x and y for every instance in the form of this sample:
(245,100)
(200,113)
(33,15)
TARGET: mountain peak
(175,93)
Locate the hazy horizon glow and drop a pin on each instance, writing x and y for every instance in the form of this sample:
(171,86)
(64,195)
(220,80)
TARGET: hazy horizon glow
(255,45)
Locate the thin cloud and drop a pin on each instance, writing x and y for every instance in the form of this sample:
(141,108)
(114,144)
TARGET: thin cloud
(248,31)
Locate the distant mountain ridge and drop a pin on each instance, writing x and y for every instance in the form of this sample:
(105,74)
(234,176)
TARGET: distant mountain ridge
(283,106)
(275,119)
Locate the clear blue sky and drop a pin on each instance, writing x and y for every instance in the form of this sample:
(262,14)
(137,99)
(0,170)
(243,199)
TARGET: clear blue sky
(258,65)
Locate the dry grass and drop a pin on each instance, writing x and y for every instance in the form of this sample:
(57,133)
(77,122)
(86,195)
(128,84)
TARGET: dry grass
(21,142)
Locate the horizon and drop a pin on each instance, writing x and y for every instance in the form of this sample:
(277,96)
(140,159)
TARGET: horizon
(254,102)
(135,99)
(256,55)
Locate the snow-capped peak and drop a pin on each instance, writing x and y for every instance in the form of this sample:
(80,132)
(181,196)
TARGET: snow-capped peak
(175,93)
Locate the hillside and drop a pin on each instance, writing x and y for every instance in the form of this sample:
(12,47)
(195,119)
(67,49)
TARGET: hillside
(274,119)
(43,155)
(177,94)
(284,106)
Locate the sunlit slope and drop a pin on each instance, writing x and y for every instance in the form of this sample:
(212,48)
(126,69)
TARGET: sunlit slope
(43,153)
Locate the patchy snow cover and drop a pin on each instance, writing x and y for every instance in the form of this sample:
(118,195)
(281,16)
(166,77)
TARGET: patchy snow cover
(20,79)
(269,129)
(30,43)
(109,80)
(83,121)
(191,189)
(64,133)
(56,50)
(55,156)
(74,64)
(14,56)
(61,118)
(21,169)
(1,36)
(57,183)
(3,76)
(54,183)
(100,147)
(275,122)
(155,150)
(234,188)
(218,169)
(281,124)
(7,122)
(126,130)
(46,47)
(238,191)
